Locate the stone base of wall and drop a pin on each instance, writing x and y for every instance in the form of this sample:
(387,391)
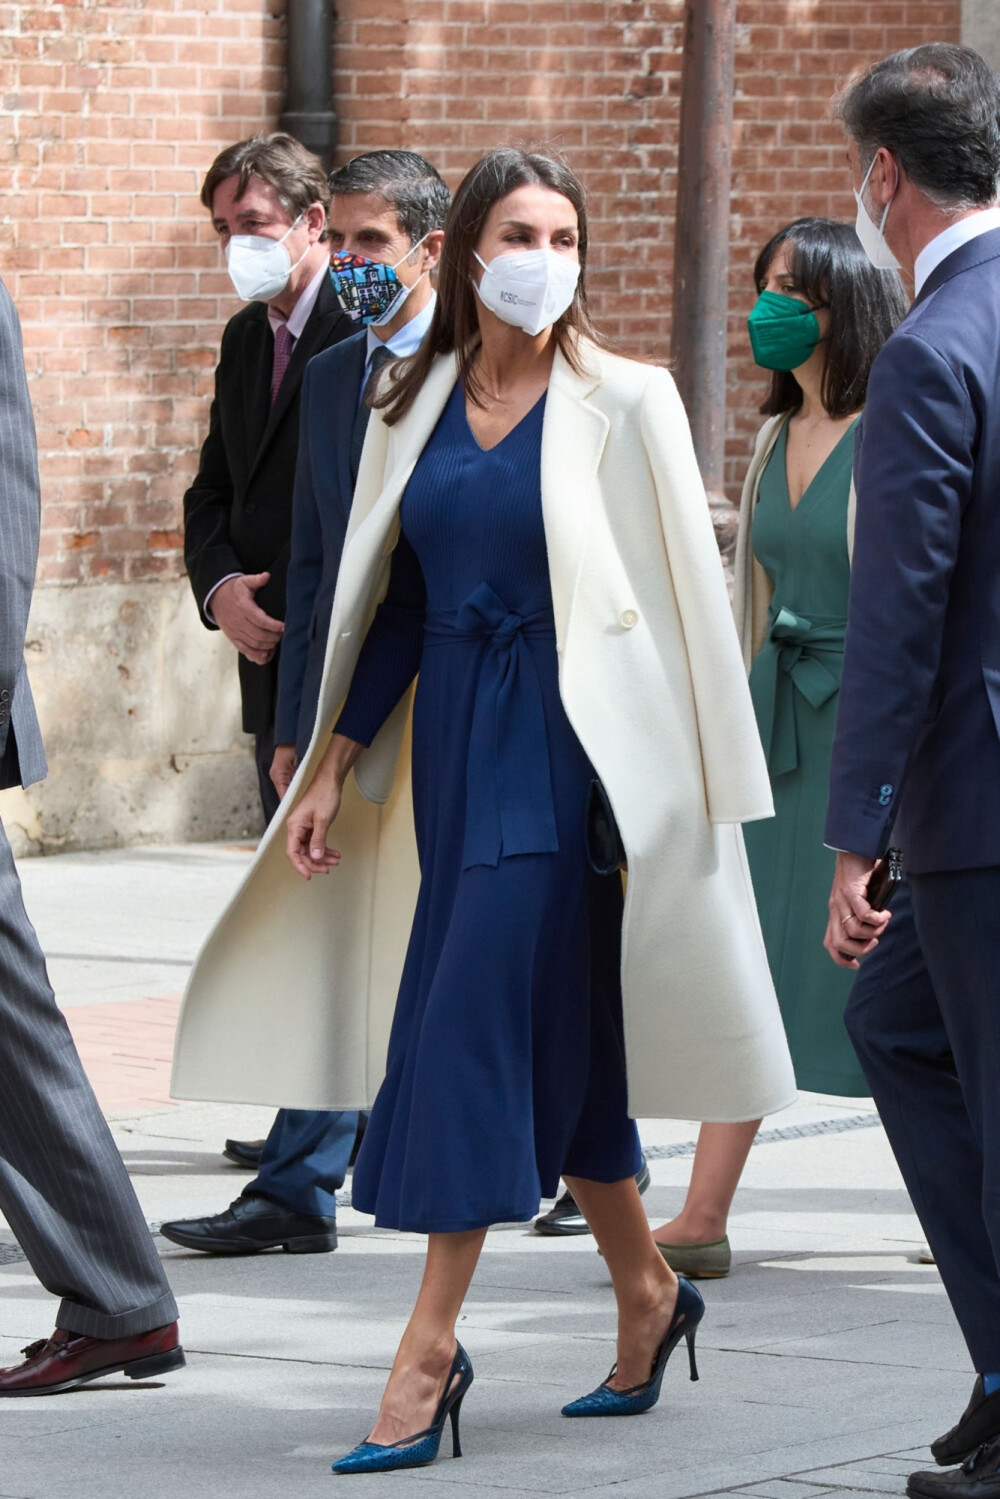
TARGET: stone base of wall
(139,706)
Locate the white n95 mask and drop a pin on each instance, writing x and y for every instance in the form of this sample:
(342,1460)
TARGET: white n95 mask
(531,289)
(872,235)
(259,268)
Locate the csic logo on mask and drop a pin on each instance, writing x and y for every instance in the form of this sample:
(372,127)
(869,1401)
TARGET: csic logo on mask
(530,289)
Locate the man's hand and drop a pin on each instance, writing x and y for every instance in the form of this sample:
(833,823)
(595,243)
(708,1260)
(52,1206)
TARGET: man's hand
(254,634)
(854,928)
(283,767)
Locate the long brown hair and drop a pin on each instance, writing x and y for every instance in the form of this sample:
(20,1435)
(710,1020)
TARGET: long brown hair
(455,325)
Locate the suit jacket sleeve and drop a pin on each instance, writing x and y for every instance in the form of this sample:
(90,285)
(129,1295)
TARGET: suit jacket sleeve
(208,551)
(913,470)
(305,570)
(19,505)
(737,788)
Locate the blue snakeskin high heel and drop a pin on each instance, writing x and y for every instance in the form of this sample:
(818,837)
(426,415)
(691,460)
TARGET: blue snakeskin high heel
(419,1450)
(605,1401)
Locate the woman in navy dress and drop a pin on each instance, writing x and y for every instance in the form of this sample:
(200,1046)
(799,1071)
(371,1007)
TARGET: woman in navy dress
(506,1063)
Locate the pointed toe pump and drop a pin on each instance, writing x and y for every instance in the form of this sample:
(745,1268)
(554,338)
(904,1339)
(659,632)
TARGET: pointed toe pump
(422,1448)
(604,1401)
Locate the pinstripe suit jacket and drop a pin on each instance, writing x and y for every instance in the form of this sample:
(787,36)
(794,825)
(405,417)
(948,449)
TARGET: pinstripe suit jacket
(22,757)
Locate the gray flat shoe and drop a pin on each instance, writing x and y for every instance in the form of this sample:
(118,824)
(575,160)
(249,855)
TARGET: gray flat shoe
(699,1261)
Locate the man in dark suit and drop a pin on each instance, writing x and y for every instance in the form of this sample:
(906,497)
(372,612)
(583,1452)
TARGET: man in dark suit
(388,209)
(268,197)
(63,1187)
(917,750)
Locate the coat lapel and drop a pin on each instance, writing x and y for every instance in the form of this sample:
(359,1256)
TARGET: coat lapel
(378,493)
(258,360)
(574,432)
(346,409)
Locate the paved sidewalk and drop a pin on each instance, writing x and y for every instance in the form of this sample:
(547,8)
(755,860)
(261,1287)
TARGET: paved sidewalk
(828,1359)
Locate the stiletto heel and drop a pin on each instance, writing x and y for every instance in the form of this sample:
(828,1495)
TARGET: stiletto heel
(456,1445)
(691,1358)
(422,1448)
(604,1401)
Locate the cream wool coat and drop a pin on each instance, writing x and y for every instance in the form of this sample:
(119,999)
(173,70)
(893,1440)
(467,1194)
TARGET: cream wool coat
(291,998)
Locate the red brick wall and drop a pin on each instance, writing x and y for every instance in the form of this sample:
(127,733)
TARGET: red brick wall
(113,111)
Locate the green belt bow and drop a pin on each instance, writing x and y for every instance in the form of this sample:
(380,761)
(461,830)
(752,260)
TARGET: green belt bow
(800,655)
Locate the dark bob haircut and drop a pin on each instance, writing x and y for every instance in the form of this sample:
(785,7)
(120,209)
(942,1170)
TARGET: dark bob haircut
(936,108)
(830,269)
(455,326)
(415,192)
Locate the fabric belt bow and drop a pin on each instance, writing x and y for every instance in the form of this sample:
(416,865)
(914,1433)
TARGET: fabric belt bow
(509,807)
(806,655)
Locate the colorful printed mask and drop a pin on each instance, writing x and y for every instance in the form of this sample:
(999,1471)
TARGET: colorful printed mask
(369,291)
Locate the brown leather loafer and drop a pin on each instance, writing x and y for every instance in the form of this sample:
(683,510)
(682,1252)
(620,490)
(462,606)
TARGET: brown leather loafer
(66,1360)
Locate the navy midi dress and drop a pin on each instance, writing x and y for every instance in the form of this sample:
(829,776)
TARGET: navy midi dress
(505,1065)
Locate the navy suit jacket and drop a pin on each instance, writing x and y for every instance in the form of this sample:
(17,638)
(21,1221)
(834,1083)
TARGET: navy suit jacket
(918,726)
(321,505)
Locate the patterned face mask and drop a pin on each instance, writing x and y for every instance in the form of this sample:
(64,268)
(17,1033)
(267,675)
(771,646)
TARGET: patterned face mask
(369,291)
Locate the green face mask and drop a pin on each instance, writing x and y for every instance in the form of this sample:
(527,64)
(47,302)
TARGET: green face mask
(783,331)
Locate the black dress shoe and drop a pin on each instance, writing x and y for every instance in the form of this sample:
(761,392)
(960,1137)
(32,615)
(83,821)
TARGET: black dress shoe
(979,1423)
(977,1478)
(565,1217)
(244,1152)
(251,1224)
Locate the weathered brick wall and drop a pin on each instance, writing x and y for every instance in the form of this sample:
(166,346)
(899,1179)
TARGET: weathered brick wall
(112,112)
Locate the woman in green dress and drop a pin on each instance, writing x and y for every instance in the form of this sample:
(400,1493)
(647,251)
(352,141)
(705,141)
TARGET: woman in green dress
(823,312)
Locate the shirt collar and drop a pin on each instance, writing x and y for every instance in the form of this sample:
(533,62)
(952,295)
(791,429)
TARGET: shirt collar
(405,340)
(950,240)
(303,307)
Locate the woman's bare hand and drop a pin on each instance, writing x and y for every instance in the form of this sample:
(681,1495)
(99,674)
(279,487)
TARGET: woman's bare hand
(310,820)
(308,824)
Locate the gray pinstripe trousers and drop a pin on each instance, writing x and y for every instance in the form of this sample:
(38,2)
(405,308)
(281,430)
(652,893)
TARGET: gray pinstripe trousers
(63,1187)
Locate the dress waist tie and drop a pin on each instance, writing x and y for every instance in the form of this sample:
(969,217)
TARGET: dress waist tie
(799,655)
(509,807)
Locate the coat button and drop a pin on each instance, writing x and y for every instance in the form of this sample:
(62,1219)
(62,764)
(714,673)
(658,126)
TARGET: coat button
(249,508)
(628,619)
(885,790)
(4,696)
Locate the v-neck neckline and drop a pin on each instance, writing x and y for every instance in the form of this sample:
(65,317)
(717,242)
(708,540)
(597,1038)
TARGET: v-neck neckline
(794,509)
(468,425)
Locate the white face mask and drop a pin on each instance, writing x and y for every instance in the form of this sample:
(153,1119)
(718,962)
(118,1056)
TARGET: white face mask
(530,289)
(872,235)
(260,267)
